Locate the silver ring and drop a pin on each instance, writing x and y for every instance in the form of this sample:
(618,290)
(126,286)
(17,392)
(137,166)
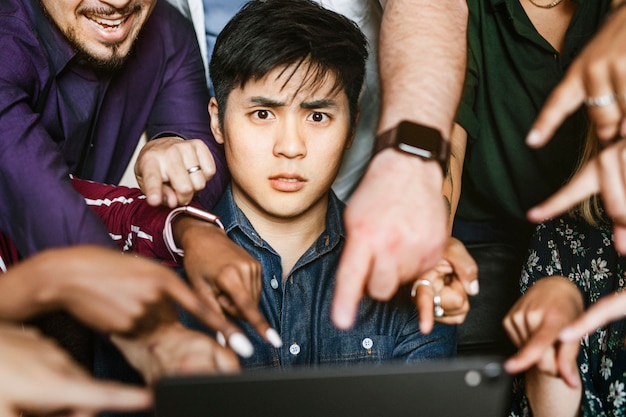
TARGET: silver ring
(438,310)
(419,283)
(193,169)
(600,101)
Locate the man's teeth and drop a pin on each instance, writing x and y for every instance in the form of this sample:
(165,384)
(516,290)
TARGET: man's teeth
(108,22)
(289,179)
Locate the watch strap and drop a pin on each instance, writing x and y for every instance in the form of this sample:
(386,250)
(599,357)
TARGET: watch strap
(168,230)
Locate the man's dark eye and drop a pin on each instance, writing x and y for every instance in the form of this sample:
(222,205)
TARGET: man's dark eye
(318,117)
(262,114)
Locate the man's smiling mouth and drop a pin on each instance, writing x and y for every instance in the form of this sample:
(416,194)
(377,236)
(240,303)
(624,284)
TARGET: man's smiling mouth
(107,24)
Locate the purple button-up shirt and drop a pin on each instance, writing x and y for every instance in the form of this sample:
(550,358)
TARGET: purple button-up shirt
(59,116)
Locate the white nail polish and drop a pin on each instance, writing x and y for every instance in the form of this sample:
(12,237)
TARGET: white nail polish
(221,339)
(533,138)
(473,287)
(273,337)
(241,345)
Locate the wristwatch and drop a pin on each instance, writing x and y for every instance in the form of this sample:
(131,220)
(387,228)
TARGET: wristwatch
(418,140)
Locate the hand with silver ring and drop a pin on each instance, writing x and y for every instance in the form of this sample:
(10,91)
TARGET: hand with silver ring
(170,170)
(598,73)
(600,101)
(438,310)
(453,279)
(193,169)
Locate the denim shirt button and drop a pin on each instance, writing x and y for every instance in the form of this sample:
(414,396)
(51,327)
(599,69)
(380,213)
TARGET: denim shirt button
(294,349)
(274,283)
(367,343)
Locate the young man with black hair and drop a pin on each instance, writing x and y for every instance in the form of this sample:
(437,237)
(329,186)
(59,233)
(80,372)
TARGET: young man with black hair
(285,108)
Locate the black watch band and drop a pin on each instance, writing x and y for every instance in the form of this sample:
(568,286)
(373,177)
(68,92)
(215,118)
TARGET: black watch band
(418,140)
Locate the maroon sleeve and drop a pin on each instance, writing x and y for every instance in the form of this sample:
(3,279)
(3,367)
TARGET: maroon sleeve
(8,252)
(133,224)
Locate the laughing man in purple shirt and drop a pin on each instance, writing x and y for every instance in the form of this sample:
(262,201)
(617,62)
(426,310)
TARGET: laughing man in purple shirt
(80,81)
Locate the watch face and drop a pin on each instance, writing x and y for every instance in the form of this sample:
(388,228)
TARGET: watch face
(419,140)
(422,141)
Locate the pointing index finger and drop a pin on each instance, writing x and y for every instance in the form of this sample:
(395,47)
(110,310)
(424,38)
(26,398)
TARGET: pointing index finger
(354,269)
(564,100)
(586,182)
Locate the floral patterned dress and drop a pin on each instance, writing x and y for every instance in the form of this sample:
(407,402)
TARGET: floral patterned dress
(585,254)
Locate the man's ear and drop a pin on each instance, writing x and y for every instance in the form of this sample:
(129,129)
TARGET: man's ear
(352,133)
(215,121)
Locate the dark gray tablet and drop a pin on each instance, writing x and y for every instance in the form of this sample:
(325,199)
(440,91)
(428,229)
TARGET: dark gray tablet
(469,387)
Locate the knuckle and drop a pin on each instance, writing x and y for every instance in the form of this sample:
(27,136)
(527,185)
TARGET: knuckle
(596,68)
(470,270)
(184,189)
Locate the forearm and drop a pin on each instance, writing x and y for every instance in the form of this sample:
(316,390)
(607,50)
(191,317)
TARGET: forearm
(453,178)
(550,396)
(189,230)
(422,58)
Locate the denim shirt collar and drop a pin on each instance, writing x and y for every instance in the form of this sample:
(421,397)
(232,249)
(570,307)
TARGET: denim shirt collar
(234,219)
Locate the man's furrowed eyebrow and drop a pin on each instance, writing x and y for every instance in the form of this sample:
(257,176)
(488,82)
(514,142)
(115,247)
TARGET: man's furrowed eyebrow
(318,104)
(267,102)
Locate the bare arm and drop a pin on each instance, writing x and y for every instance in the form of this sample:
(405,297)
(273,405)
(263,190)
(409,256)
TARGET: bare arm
(452,180)
(421,61)
(422,57)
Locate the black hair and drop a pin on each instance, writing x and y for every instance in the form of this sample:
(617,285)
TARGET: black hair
(269,34)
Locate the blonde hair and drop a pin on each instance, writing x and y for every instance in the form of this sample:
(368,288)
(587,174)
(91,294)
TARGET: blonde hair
(590,209)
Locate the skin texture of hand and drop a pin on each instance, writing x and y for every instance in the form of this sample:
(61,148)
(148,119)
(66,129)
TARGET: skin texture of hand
(454,278)
(599,70)
(162,170)
(396,229)
(103,288)
(605,174)
(223,273)
(604,311)
(172,349)
(39,378)
(534,324)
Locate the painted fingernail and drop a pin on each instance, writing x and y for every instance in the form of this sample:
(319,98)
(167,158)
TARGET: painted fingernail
(241,345)
(474,287)
(533,138)
(221,339)
(273,337)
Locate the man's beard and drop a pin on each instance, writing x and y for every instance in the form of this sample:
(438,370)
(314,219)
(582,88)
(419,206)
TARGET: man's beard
(114,62)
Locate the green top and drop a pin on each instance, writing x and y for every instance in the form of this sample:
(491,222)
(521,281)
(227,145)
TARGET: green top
(511,71)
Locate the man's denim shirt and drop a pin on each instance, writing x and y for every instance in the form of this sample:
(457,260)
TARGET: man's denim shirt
(299,308)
